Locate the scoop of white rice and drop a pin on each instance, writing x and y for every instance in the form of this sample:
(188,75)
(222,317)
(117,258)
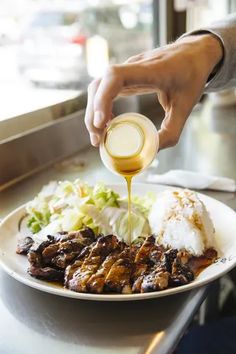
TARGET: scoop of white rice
(179,219)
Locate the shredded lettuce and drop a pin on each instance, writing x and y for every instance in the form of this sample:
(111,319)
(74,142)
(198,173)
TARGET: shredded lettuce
(144,203)
(68,206)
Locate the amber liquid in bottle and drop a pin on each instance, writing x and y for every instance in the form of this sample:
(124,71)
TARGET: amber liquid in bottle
(129,145)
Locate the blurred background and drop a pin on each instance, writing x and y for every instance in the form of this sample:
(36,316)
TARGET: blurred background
(50,50)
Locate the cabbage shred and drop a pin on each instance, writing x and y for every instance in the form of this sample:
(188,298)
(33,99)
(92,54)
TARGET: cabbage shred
(69,206)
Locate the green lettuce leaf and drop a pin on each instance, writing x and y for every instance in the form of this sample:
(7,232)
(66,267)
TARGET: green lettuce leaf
(68,206)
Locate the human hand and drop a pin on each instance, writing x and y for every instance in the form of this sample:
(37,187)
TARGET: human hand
(177,72)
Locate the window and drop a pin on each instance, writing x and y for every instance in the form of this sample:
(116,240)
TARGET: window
(201,13)
(50,50)
(53,18)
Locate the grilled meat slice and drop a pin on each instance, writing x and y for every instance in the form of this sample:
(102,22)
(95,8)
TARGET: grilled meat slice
(69,246)
(211,254)
(49,259)
(24,245)
(168,259)
(70,270)
(46,273)
(119,276)
(184,257)
(197,264)
(142,262)
(103,247)
(63,253)
(85,236)
(139,270)
(97,281)
(64,259)
(182,278)
(157,279)
(77,263)
(142,254)
(136,287)
(37,266)
(39,247)
(34,258)
(152,257)
(50,251)
(35,253)
(156,254)
(80,277)
(181,273)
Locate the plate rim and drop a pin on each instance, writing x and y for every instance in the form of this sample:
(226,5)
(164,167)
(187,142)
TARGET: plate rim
(40,285)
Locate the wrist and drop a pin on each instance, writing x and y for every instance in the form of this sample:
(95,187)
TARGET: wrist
(214,51)
(210,49)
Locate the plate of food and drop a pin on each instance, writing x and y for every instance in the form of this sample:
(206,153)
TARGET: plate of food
(72,240)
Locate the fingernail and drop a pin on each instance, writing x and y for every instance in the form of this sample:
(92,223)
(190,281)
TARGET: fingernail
(98,119)
(94,139)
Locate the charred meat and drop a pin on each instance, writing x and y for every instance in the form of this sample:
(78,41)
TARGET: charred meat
(24,245)
(157,279)
(118,278)
(46,273)
(103,264)
(197,264)
(49,259)
(102,248)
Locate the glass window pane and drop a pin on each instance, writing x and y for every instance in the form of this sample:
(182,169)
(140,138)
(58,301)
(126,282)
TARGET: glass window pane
(51,50)
(203,12)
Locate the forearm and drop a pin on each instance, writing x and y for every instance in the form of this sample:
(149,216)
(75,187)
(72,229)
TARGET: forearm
(225,31)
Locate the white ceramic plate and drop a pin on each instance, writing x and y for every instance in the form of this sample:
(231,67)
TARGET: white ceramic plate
(223,217)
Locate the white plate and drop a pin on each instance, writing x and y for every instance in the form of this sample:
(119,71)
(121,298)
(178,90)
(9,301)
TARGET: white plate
(223,217)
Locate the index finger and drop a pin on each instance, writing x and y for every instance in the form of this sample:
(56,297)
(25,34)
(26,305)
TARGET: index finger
(110,86)
(121,79)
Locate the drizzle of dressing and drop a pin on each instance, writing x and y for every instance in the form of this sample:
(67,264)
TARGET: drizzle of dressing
(129,182)
(125,140)
(129,145)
